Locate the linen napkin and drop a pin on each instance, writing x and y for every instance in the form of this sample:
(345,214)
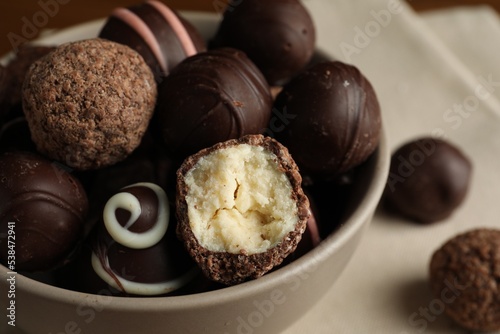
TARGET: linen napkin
(438,79)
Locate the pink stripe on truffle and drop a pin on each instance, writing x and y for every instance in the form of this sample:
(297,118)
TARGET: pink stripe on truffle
(312,226)
(136,23)
(177,27)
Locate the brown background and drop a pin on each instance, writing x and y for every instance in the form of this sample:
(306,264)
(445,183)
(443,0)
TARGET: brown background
(71,12)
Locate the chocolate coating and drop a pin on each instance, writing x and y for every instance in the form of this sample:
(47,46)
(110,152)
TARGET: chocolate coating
(330,118)
(16,72)
(48,206)
(89,103)
(464,275)
(133,251)
(428,179)
(210,98)
(233,268)
(278,35)
(161,36)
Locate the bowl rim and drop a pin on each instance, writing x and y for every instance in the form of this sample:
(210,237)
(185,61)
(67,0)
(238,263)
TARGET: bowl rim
(329,245)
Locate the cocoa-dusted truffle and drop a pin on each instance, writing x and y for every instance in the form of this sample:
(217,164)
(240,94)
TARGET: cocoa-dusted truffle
(46,206)
(240,207)
(88,103)
(428,179)
(157,32)
(278,35)
(209,98)
(464,276)
(134,248)
(331,118)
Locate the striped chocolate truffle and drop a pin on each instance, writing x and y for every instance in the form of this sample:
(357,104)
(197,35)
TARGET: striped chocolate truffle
(159,34)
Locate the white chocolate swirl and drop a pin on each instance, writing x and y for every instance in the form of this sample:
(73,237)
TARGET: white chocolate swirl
(142,289)
(129,202)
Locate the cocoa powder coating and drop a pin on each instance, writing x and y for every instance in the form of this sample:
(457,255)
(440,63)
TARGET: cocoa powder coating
(88,103)
(465,276)
(228,268)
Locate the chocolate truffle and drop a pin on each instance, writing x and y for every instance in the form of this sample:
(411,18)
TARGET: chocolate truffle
(464,276)
(209,98)
(278,35)
(88,103)
(133,251)
(16,70)
(330,118)
(157,32)
(240,208)
(47,207)
(428,179)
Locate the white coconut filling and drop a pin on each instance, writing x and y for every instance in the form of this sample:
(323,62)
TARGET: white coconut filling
(239,201)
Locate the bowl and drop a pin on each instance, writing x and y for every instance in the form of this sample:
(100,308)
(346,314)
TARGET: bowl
(269,304)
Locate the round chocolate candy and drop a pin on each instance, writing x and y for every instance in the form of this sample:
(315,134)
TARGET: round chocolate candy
(428,179)
(88,103)
(209,98)
(464,276)
(278,35)
(157,32)
(44,205)
(331,119)
(241,208)
(133,252)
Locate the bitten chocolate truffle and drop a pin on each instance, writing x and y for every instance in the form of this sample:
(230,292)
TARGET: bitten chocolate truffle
(133,251)
(428,179)
(88,103)
(240,207)
(278,35)
(464,275)
(157,32)
(209,98)
(46,206)
(331,119)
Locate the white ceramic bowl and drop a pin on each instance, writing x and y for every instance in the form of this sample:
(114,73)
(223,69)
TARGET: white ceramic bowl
(266,305)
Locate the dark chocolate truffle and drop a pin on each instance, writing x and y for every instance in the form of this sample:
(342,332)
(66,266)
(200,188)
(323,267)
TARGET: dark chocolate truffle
(88,103)
(464,276)
(330,118)
(16,69)
(157,32)
(428,179)
(240,208)
(209,98)
(277,35)
(47,207)
(133,253)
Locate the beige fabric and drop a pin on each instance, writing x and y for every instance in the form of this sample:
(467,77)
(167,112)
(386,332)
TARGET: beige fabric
(422,79)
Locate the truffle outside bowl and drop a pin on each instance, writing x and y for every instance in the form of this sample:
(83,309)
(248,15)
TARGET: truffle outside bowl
(269,304)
